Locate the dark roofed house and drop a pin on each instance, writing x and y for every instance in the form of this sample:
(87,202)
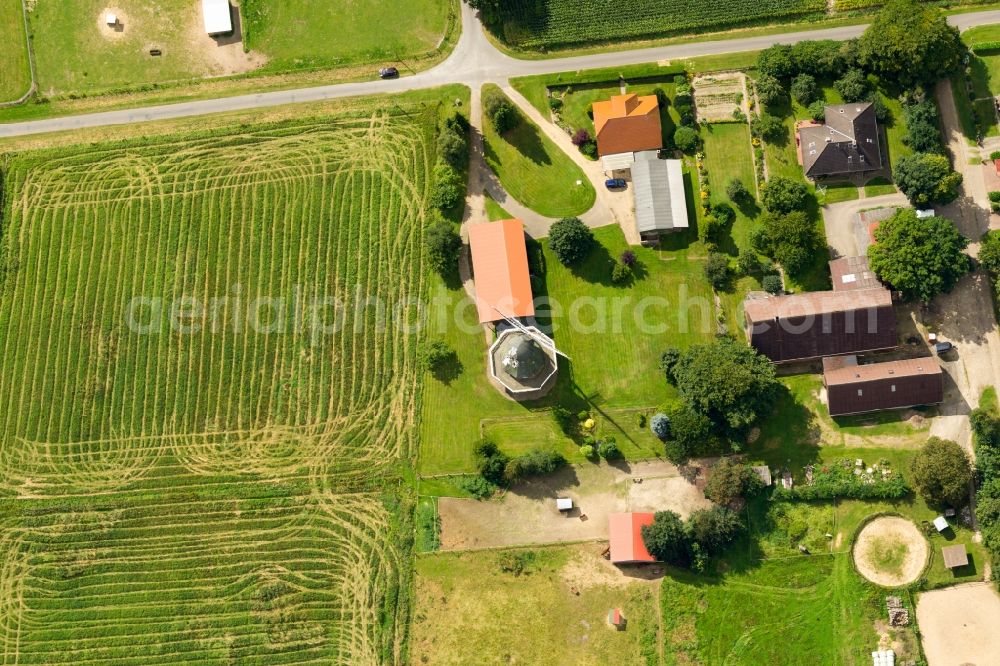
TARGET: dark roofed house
(799,327)
(855,389)
(846,144)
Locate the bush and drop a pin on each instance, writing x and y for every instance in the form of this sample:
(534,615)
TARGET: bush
(747,262)
(555,103)
(729,481)
(995,155)
(989,253)
(448,187)
(853,86)
(768,127)
(817,111)
(589,149)
(660,425)
(784,195)
(501,111)
(668,361)
(491,462)
(628,258)
(980,48)
(772,284)
(738,192)
(570,240)
(712,229)
(942,473)
(621,274)
(580,137)
(535,462)
(453,144)
(923,133)
(804,89)
(443,247)
(687,140)
(565,420)
(587,451)
(477,486)
(724,212)
(608,449)
(717,270)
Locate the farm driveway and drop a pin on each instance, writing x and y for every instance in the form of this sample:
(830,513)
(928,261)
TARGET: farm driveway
(841,222)
(527,514)
(958,625)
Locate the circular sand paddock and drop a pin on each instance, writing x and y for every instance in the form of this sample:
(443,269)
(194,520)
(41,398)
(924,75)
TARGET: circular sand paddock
(890,551)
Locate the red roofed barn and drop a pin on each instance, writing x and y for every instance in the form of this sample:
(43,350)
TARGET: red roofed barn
(625,530)
(500,268)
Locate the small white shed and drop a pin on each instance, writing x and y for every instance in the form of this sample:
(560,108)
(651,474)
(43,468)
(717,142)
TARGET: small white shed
(111,19)
(218,16)
(564,503)
(940,523)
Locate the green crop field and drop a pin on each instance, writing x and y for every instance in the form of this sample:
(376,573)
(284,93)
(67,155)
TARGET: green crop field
(535,24)
(211,476)
(15,73)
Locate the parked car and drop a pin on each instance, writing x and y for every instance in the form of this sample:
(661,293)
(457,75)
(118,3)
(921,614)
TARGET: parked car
(388,73)
(615,183)
(943,347)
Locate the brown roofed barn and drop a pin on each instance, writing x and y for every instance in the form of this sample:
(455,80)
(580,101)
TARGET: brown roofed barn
(853,274)
(627,124)
(810,325)
(500,268)
(847,143)
(855,389)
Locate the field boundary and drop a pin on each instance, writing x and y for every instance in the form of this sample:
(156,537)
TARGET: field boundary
(31,61)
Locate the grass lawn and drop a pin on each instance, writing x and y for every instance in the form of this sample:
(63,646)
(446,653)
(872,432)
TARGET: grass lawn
(306,33)
(15,72)
(495,211)
(879,187)
(535,171)
(837,193)
(469,609)
(613,355)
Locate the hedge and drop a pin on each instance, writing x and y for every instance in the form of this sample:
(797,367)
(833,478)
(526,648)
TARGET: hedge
(985,47)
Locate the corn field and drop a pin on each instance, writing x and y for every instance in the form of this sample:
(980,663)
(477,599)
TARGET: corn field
(218,494)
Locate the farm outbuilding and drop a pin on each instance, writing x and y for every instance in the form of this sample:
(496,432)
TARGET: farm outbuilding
(855,389)
(500,270)
(660,203)
(941,523)
(955,556)
(625,530)
(218,16)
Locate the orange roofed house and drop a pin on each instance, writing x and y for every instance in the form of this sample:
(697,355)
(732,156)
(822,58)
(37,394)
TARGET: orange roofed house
(627,124)
(500,267)
(625,530)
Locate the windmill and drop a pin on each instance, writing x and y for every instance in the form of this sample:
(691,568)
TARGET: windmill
(534,334)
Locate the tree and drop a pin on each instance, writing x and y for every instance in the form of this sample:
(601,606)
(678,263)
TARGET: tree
(686,139)
(783,195)
(772,284)
(941,473)
(989,253)
(608,448)
(747,262)
(768,127)
(724,212)
(919,257)
(804,89)
(571,240)
(448,187)
(770,91)
(825,58)
(443,246)
(714,528)
(727,382)
(717,270)
(535,462)
(910,43)
(490,461)
(777,62)
(926,178)
(501,112)
(728,481)
(668,539)
(668,361)
(853,86)
(660,426)
(923,133)
(791,239)
(437,354)
(738,192)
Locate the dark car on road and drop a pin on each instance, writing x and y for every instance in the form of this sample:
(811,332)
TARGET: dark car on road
(943,348)
(388,73)
(615,183)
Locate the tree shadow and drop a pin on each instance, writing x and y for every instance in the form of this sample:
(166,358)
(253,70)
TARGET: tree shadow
(526,137)
(790,435)
(596,267)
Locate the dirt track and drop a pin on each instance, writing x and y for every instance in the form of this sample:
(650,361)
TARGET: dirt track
(889,530)
(527,514)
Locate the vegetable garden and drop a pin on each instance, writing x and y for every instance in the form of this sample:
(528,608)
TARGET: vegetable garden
(535,24)
(198,488)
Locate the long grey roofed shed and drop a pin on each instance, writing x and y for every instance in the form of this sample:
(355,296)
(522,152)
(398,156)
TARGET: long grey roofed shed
(658,185)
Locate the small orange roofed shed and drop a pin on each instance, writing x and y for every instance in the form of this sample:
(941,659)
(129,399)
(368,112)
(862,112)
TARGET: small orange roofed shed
(625,530)
(500,270)
(627,124)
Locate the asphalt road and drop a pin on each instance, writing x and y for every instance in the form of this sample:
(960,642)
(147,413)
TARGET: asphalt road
(473,62)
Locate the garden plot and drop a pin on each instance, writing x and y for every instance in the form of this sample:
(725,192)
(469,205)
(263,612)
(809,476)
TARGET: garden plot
(720,97)
(214,484)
